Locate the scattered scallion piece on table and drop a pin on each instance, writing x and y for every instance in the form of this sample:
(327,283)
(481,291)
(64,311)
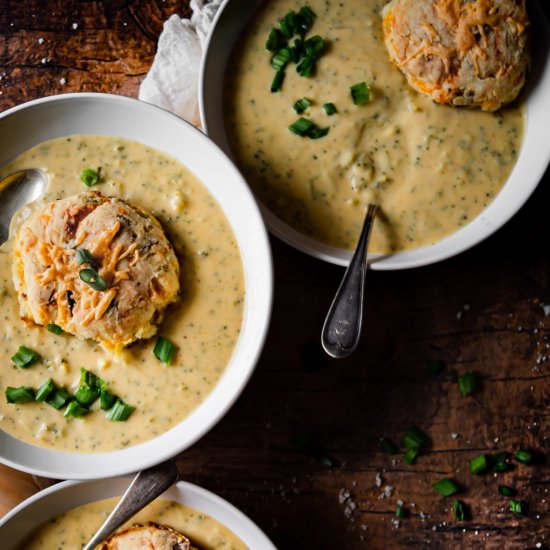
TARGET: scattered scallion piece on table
(389,446)
(523,456)
(414,438)
(467,384)
(301,105)
(45,390)
(479,464)
(360,93)
(501,462)
(24,357)
(275,40)
(329,108)
(92,278)
(410,456)
(518,507)
(22,394)
(507,491)
(277,81)
(58,398)
(446,487)
(90,177)
(54,329)
(84,256)
(401,512)
(164,350)
(120,411)
(459,510)
(74,410)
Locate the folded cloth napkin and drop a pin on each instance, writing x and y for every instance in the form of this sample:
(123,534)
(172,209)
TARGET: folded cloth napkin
(173,80)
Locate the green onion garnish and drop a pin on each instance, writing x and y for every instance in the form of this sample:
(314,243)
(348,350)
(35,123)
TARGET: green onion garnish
(410,456)
(316,133)
(90,379)
(507,491)
(329,108)
(55,329)
(74,410)
(164,350)
(23,394)
(58,398)
(84,256)
(401,512)
(106,399)
(289,24)
(92,277)
(275,40)
(306,17)
(90,177)
(478,464)
(467,383)
(302,126)
(501,463)
(389,446)
(280,60)
(277,81)
(297,51)
(459,510)
(301,105)
(435,366)
(446,487)
(314,46)
(360,93)
(518,507)
(85,395)
(25,357)
(120,411)
(523,456)
(414,439)
(45,390)
(306,65)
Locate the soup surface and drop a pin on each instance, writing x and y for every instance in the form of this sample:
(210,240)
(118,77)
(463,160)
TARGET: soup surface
(74,529)
(431,168)
(204,324)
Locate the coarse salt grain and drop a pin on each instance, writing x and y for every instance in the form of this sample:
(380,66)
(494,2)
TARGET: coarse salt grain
(41,41)
(62,81)
(75,26)
(378,479)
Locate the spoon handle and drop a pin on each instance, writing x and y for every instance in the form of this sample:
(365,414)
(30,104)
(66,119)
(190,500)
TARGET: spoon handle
(145,487)
(342,327)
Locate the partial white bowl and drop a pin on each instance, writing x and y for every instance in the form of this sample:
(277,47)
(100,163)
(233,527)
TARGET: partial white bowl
(17,524)
(27,125)
(529,169)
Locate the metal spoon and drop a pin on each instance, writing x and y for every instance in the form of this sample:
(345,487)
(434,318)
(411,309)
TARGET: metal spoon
(342,327)
(145,487)
(17,190)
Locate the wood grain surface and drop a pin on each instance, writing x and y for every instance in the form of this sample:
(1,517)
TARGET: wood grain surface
(482,311)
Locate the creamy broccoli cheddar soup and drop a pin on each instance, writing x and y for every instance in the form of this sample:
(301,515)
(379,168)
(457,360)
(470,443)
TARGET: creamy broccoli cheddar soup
(202,323)
(431,168)
(72,530)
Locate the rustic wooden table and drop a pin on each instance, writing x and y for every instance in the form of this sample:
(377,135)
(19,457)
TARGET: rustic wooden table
(483,311)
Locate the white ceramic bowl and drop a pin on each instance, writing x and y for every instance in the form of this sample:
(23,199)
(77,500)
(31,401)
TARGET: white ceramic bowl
(530,167)
(17,524)
(27,125)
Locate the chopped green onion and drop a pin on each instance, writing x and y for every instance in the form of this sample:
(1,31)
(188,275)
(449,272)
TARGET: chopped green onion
(302,126)
(120,411)
(275,41)
(414,439)
(74,410)
(25,357)
(518,507)
(58,398)
(306,17)
(280,60)
(478,464)
(45,390)
(90,177)
(360,93)
(164,350)
(523,456)
(314,46)
(55,329)
(85,395)
(446,487)
(467,383)
(90,379)
(84,256)
(92,278)
(316,133)
(329,108)
(289,24)
(501,463)
(401,512)
(507,491)
(277,81)
(306,66)
(459,510)
(106,399)
(23,394)
(410,456)
(389,446)
(435,366)
(301,105)
(297,50)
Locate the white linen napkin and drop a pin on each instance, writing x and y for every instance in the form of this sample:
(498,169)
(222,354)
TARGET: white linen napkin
(173,80)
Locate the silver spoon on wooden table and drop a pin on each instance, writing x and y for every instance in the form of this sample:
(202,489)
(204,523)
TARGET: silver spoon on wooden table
(342,327)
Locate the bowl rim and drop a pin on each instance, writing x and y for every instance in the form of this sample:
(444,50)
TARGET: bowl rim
(179,492)
(112,463)
(443,249)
